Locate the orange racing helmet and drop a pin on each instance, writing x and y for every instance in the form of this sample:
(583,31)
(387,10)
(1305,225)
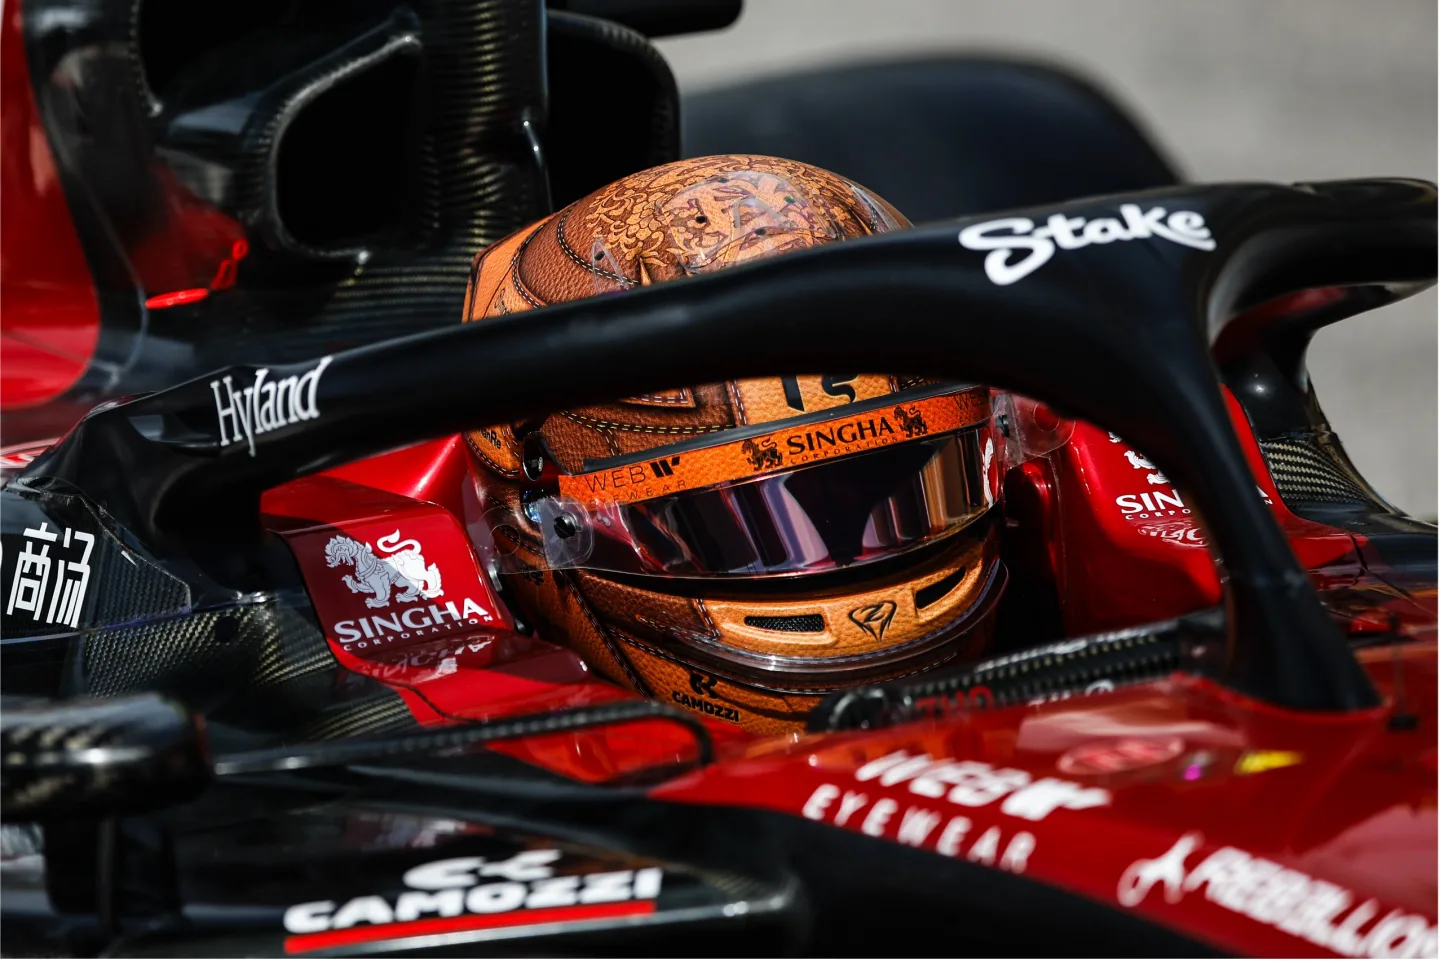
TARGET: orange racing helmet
(740,549)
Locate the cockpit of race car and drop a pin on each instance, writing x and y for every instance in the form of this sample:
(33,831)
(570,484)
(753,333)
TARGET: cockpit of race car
(594,611)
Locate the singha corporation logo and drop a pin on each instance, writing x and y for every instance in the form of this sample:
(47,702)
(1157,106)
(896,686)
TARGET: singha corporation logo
(912,422)
(873,619)
(763,455)
(403,567)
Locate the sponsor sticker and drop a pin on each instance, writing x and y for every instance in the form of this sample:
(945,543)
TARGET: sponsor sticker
(937,787)
(782,449)
(470,894)
(1161,503)
(1324,914)
(703,686)
(266,404)
(52,575)
(1036,244)
(394,581)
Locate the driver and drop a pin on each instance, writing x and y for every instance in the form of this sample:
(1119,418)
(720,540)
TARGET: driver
(740,549)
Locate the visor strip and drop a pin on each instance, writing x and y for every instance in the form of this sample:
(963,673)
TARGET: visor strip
(780,450)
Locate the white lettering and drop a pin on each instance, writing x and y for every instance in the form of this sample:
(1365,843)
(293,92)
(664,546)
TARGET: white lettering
(264,406)
(814,808)
(606,886)
(985,848)
(950,838)
(1012,235)
(1016,236)
(475,610)
(916,826)
(966,783)
(441,889)
(1285,899)
(553,892)
(979,785)
(1017,853)
(309,917)
(371,909)
(875,768)
(647,883)
(875,821)
(496,898)
(450,873)
(1038,800)
(412,904)
(1344,940)
(849,804)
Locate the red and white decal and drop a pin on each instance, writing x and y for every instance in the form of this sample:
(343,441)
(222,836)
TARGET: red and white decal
(389,582)
(19,456)
(924,821)
(1324,914)
(471,894)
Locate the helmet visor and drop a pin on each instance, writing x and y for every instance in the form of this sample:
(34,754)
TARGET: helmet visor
(833,510)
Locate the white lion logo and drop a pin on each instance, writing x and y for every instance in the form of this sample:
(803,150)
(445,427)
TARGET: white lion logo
(1138,462)
(404,568)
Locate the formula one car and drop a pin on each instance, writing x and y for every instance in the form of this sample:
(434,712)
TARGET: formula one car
(281,677)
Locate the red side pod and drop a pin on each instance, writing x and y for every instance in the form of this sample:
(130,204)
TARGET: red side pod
(51,317)
(1261,831)
(1124,545)
(402,598)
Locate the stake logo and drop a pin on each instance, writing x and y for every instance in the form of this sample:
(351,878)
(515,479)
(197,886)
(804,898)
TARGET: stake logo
(265,405)
(1011,235)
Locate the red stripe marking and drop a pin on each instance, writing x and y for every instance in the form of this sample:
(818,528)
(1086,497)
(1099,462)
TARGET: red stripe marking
(301,943)
(178,297)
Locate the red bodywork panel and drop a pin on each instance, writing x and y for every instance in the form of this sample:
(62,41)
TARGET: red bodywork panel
(1331,850)
(52,316)
(1256,830)
(455,655)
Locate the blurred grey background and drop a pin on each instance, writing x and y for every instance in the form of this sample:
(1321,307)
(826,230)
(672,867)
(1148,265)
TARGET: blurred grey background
(1278,90)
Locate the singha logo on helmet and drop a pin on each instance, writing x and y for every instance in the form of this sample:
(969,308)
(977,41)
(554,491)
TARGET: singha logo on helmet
(404,567)
(912,422)
(762,455)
